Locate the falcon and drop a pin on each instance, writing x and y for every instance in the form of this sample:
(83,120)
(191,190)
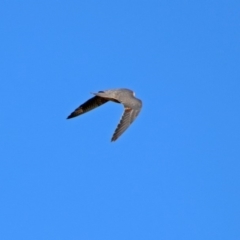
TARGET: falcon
(132,107)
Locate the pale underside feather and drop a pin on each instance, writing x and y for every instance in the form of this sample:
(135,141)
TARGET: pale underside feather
(127,118)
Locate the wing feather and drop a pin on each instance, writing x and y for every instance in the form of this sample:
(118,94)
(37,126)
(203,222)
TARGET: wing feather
(88,106)
(127,118)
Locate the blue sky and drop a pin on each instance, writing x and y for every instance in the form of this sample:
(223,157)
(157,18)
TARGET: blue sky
(174,174)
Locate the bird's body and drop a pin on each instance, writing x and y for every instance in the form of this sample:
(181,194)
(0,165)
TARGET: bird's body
(132,107)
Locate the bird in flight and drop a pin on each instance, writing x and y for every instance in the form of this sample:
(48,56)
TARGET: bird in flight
(132,107)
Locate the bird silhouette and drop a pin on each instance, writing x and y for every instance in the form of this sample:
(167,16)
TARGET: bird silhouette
(132,107)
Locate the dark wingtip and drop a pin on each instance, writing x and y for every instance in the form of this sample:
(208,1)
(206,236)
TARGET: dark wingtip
(72,115)
(113,139)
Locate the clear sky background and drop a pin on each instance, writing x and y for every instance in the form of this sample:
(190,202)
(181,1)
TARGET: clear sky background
(174,174)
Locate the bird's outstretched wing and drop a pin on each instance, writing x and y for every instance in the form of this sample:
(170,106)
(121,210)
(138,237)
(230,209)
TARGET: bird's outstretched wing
(88,106)
(127,118)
